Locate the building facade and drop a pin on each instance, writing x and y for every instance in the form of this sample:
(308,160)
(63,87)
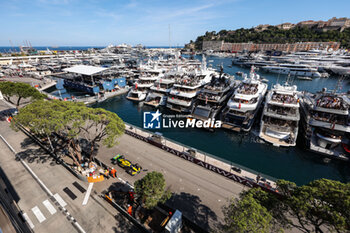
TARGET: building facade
(252,47)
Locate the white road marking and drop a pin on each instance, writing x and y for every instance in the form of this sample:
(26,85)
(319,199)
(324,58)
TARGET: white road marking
(36,211)
(49,207)
(60,200)
(87,195)
(41,183)
(25,216)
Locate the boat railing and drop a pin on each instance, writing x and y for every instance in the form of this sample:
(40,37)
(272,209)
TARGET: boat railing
(287,99)
(283,112)
(279,128)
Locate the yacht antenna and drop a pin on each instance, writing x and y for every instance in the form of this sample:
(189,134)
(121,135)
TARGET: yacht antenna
(169,36)
(278,76)
(339,85)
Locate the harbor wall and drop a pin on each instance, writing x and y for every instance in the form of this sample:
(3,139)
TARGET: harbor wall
(252,47)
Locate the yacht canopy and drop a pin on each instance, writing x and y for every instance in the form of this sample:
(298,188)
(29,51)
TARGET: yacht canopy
(85,70)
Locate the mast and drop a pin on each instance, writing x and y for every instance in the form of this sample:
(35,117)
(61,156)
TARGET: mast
(169,36)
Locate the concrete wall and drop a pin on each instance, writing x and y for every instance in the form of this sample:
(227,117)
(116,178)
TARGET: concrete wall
(293,47)
(212,45)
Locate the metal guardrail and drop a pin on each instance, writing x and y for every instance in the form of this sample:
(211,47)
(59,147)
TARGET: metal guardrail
(205,154)
(247,181)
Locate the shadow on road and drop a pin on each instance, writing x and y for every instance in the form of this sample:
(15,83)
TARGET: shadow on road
(191,206)
(34,154)
(124,225)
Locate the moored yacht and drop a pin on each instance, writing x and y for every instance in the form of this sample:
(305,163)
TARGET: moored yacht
(213,97)
(187,86)
(241,109)
(293,69)
(142,86)
(326,123)
(280,117)
(184,91)
(159,92)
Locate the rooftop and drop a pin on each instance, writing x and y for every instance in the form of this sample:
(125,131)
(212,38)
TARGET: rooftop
(85,70)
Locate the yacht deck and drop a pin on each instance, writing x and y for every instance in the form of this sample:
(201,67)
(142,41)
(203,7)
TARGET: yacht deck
(275,141)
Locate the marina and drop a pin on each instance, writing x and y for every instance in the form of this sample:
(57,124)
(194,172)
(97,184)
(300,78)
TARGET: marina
(194,87)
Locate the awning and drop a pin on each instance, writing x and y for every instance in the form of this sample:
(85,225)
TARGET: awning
(85,70)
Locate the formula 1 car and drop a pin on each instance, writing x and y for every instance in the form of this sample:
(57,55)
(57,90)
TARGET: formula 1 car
(129,167)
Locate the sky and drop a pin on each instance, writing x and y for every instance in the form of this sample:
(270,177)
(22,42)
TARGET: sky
(147,22)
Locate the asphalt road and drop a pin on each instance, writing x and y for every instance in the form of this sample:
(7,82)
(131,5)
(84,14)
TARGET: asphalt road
(96,216)
(198,193)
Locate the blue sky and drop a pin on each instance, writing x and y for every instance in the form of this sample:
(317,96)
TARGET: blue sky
(103,22)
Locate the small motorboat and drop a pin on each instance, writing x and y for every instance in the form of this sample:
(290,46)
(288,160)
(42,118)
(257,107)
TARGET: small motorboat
(304,78)
(239,73)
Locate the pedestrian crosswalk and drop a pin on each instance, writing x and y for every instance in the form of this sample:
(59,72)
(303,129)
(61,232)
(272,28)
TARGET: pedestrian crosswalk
(49,207)
(38,214)
(60,200)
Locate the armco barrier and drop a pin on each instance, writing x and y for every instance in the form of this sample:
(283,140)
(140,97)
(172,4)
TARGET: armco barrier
(201,163)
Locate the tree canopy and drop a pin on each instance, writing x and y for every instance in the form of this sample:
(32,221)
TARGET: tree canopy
(19,90)
(151,189)
(246,215)
(275,35)
(320,206)
(72,121)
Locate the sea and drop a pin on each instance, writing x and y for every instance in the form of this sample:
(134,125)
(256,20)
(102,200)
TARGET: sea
(246,150)
(9,49)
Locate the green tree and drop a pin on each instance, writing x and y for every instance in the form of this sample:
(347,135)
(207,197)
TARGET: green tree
(72,122)
(246,215)
(275,35)
(320,206)
(151,189)
(19,90)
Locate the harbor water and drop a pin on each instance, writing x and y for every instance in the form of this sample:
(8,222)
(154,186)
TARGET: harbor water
(294,164)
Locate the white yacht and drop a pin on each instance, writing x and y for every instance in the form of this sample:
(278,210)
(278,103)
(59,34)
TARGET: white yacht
(244,104)
(159,92)
(184,91)
(187,87)
(326,124)
(213,97)
(142,85)
(293,69)
(280,117)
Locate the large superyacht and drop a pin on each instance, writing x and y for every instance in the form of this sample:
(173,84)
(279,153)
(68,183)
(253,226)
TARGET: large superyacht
(326,124)
(280,117)
(159,92)
(143,84)
(244,104)
(213,97)
(293,69)
(187,87)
